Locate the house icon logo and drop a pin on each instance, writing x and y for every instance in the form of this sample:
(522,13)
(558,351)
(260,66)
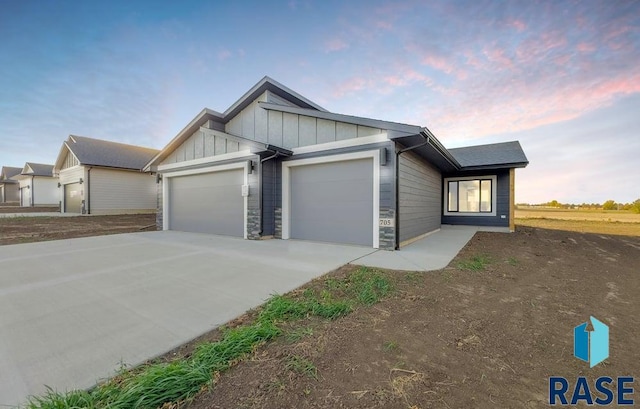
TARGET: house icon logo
(591,346)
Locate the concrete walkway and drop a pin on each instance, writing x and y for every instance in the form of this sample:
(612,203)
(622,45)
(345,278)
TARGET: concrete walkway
(430,253)
(73,310)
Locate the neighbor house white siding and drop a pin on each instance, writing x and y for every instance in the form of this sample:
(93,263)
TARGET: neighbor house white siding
(120,192)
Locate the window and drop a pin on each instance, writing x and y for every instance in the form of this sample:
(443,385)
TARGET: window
(470,195)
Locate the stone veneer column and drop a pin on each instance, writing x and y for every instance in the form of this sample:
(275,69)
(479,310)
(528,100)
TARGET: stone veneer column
(387,234)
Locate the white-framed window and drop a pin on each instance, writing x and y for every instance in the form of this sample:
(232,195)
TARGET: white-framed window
(470,196)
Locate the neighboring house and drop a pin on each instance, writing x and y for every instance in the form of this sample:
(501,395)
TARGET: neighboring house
(278,165)
(9,187)
(103,177)
(38,186)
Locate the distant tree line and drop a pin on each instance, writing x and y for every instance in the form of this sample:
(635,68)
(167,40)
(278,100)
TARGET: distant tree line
(608,205)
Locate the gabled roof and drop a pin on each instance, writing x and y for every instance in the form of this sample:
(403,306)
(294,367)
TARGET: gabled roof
(495,155)
(9,172)
(98,152)
(37,169)
(219,119)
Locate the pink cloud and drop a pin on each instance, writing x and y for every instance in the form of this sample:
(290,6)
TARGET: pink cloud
(335,44)
(353,84)
(497,56)
(438,62)
(518,24)
(585,47)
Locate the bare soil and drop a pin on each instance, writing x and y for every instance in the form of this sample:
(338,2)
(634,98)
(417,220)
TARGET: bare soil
(455,338)
(15,230)
(18,209)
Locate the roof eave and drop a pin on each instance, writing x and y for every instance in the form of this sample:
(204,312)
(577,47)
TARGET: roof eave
(495,166)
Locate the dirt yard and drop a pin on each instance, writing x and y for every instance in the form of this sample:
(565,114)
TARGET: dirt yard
(18,209)
(15,230)
(485,332)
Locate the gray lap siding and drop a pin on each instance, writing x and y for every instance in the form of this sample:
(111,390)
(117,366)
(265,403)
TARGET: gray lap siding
(502,205)
(420,194)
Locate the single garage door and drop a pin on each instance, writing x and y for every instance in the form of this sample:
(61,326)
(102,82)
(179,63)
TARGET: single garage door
(24,197)
(208,203)
(333,202)
(72,198)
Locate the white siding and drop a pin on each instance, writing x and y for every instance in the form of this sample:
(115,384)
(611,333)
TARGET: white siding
(45,191)
(119,192)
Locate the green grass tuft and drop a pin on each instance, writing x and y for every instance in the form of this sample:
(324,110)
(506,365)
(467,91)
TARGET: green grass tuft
(303,366)
(475,263)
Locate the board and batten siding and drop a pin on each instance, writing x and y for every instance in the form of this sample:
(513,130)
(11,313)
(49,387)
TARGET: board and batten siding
(420,197)
(288,130)
(72,175)
(203,144)
(119,192)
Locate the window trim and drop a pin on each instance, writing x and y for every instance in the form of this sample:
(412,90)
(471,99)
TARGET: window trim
(494,196)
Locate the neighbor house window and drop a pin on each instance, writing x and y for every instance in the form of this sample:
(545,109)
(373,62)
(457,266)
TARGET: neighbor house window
(470,195)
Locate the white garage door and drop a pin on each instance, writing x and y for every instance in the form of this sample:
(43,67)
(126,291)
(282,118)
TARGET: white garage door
(333,202)
(207,203)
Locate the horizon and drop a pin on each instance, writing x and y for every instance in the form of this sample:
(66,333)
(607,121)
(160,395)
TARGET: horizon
(560,77)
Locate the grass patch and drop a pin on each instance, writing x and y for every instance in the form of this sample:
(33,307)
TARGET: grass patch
(298,333)
(475,263)
(390,346)
(302,365)
(165,383)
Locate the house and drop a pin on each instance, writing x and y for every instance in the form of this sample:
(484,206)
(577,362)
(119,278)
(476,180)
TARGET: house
(103,177)
(9,189)
(38,186)
(276,164)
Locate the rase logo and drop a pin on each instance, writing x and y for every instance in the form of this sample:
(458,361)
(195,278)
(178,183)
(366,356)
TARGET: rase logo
(592,347)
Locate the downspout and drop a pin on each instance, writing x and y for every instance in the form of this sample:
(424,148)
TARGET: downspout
(89,190)
(33,193)
(275,155)
(397,216)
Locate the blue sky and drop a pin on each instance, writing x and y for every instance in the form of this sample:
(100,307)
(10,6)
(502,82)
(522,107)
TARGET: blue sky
(562,77)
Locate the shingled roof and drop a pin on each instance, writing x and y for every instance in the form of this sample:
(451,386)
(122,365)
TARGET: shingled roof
(495,155)
(98,152)
(37,169)
(8,172)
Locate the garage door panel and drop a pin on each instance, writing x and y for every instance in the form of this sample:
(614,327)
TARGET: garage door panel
(208,203)
(333,202)
(73,198)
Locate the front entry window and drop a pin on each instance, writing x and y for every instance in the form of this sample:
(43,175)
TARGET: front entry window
(470,196)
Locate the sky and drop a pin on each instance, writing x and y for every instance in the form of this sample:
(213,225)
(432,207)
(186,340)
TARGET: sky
(562,77)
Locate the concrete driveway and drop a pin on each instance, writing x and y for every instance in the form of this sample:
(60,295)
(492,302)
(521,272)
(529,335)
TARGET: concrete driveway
(72,311)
